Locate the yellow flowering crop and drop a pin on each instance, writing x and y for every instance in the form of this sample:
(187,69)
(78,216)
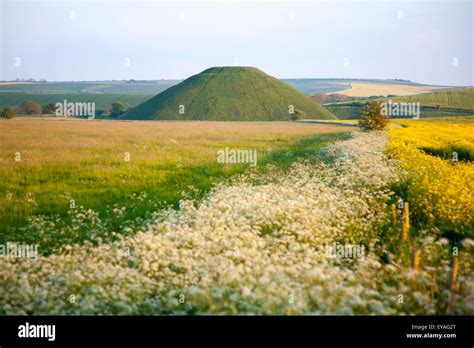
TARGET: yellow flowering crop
(436,156)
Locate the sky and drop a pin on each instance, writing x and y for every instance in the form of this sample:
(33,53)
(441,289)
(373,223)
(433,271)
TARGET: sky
(58,40)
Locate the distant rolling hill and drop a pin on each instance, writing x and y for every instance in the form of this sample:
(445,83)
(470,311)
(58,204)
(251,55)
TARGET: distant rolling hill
(458,102)
(229,94)
(462,98)
(102,101)
(304,85)
(120,87)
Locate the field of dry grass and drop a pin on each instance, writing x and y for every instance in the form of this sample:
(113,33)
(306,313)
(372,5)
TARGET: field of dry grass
(5,83)
(385,89)
(44,140)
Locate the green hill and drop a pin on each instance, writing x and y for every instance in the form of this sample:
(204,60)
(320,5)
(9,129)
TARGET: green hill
(102,101)
(229,94)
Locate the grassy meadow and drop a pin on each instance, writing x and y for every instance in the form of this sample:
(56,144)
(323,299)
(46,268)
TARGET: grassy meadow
(172,231)
(259,241)
(66,162)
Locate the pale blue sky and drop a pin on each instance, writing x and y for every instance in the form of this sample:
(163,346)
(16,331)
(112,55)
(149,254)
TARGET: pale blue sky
(95,40)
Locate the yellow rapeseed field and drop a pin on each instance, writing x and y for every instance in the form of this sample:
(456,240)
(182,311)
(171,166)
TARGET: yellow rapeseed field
(437,157)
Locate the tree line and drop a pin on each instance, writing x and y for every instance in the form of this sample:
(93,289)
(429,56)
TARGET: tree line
(29,107)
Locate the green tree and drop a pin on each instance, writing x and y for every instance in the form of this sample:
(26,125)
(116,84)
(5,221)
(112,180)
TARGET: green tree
(8,112)
(118,108)
(29,107)
(372,118)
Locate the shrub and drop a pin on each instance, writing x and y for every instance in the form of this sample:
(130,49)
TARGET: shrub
(298,115)
(118,108)
(8,112)
(29,107)
(49,109)
(372,118)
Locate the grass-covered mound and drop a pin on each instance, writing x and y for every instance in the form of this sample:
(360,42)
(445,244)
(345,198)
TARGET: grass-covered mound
(229,94)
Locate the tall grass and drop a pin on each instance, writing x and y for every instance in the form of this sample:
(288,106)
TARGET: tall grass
(73,164)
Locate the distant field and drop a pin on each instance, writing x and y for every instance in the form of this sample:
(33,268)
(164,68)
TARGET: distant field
(308,86)
(105,93)
(121,87)
(305,85)
(102,101)
(348,111)
(84,161)
(313,86)
(459,102)
(369,89)
(13,83)
(459,98)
